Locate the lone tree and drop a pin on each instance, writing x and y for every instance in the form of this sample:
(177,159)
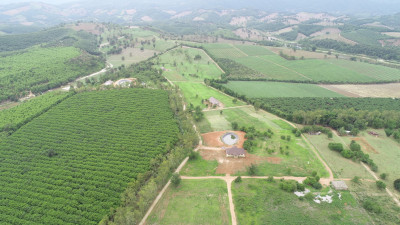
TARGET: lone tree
(176,179)
(380,184)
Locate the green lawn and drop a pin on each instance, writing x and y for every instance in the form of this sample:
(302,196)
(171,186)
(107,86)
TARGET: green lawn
(224,51)
(195,92)
(200,167)
(181,66)
(193,202)
(261,202)
(259,89)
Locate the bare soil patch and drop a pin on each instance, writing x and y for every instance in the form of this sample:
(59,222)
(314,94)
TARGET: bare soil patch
(88,27)
(365,145)
(213,139)
(233,165)
(340,91)
(366,90)
(250,34)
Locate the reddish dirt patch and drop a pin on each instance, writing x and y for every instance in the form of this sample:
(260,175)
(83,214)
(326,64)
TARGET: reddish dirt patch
(274,160)
(232,165)
(88,27)
(213,139)
(365,145)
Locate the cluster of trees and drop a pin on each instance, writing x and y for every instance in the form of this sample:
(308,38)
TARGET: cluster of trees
(313,130)
(313,181)
(353,153)
(388,53)
(77,157)
(291,186)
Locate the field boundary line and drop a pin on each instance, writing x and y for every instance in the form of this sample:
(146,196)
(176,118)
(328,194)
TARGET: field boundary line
(239,50)
(285,68)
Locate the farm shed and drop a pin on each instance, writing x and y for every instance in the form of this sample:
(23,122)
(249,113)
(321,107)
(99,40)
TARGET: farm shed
(235,152)
(339,185)
(214,102)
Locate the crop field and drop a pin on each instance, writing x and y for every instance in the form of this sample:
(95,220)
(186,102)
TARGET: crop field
(375,72)
(41,69)
(253,50)
(13,118)
(259,89)
(364,36)
(70,165)
(195,92)
(300,53)
(269,69)
(193,202)
(366,90)
(130,56)
(180,65)
(224,51)
(261,202)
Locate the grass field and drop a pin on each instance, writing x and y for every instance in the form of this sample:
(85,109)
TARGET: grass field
(195,92)
(261,202)
(341,167)
(224,51)
(386,154)
(181,66)
(193,202)
(131,55)
(200,167)
(257,89)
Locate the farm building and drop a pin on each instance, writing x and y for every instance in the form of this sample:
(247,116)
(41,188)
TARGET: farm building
(235,152)
(214,102)
(339,185)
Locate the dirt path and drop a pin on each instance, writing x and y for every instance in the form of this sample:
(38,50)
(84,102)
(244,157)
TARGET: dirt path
(285,68)
(233,107)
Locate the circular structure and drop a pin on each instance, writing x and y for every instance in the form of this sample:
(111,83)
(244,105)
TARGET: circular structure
(230,138)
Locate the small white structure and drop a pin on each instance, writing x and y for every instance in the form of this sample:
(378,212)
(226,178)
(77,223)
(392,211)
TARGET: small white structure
(339,185)
(214,102)
(108,83)
(235,152)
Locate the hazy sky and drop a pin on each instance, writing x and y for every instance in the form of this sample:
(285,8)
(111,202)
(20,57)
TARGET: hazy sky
(4,2)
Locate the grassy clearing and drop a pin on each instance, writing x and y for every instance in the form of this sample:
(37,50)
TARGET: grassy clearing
(341,167)
(367,190)
(129,56)
(181,66)
(217,121)
(193,202)
(200,167)
(387,156)
(257,89)
(261,202)
(195,92)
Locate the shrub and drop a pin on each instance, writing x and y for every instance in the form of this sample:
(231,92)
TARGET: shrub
(354,146)
(270,179)
(309,196)
(335,146)
(396,184)
(283,137)
(194,155)
(238,179)
(252,170)
(235,126)
(288,185)
(347,154)
(317,185)
(380,184)
(383,176)
(176,179)
(372,206)
(288,137)
(356,179)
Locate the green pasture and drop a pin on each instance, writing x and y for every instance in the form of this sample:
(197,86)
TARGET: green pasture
(261,202)
(194,93)
(181,66)
(259,89)
(200,167)
(193,202)
(224,51)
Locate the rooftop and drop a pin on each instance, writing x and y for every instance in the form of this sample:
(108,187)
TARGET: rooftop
(235,151)
(213,101)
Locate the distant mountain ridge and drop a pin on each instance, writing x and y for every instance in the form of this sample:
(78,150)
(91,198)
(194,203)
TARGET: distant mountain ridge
(133,12)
